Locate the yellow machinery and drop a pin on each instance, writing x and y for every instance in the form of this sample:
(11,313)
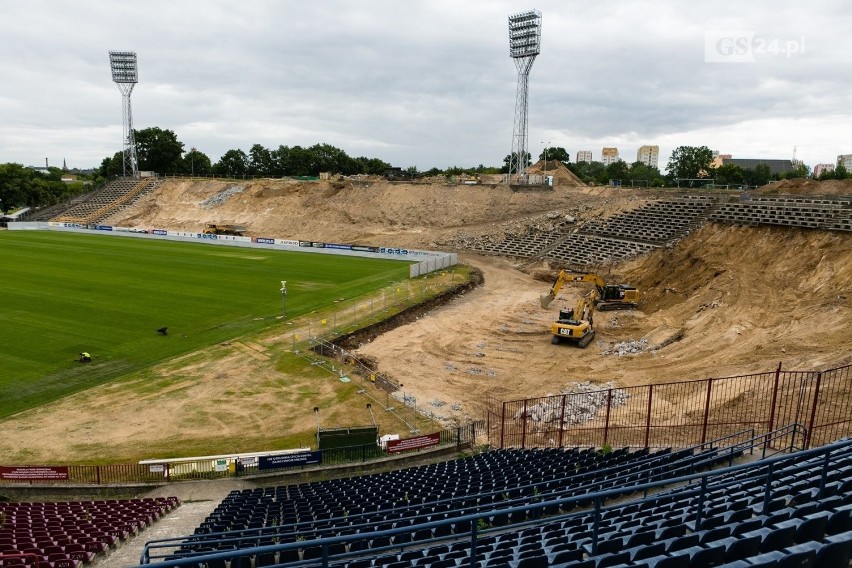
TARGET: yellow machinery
(575,325)
(213,229)
(606,297)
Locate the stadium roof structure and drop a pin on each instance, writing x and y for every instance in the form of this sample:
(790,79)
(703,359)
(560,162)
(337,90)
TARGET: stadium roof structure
(775,166)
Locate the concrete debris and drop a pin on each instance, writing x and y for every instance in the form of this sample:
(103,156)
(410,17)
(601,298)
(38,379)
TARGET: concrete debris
(456,406)
(553,222)
(630,347)
(450,367)
(221,197)
(437,403)
(583,402)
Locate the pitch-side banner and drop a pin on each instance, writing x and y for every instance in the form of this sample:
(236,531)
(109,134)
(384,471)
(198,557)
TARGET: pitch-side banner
(416,443)
(33,473)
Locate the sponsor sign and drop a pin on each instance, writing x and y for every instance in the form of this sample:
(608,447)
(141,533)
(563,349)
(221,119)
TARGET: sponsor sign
(34,473)
(74,225)
(337,246)
(103,228)
(264,240)
(205,236)
(159,232)
(384,250)
(286,242)
(156,468)
(416,443)
(318,245)
(221,465)
(305,243)
(363,248)
(289,460)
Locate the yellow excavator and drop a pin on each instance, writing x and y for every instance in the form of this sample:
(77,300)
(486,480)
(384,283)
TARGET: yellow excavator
(606,297)
(214,229)
(575,325)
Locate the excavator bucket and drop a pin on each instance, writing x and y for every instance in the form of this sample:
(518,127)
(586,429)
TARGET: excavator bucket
(546,300)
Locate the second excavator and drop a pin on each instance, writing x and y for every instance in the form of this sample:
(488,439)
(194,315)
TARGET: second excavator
(605,297)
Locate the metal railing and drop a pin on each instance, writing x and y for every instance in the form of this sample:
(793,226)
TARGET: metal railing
(680,413)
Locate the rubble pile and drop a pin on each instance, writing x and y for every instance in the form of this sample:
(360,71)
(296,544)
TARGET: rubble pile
(630,347)
(221,197)
(582,404)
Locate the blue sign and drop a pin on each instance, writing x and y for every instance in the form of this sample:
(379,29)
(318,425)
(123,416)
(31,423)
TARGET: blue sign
(159,232)
(264,240)
(103,227)
(336,246)
(289,460)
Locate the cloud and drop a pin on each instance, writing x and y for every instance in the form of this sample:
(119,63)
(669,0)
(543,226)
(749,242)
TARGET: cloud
(422,83)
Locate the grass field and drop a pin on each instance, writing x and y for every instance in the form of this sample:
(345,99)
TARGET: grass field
(63,293)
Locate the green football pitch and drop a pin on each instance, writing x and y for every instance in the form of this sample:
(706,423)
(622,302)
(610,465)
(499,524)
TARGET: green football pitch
(64,293)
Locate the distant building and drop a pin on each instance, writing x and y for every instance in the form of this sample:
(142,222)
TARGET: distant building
(845,160)
(648,155)
(820,169)
(718,159)
(584,156)
(775,166)
(609,156)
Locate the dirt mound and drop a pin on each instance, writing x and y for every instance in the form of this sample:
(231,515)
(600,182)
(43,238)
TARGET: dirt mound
(804,186)
(561,174)
(363,211)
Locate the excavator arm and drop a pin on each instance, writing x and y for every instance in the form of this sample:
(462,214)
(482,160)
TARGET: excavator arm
(564,277)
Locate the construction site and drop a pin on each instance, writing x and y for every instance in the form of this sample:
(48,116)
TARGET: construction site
(729,283)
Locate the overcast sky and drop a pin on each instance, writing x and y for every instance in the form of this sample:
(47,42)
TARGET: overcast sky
(428,83)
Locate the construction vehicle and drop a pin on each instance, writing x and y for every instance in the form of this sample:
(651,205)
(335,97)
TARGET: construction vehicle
(606,297)
(214,229)
(575,325)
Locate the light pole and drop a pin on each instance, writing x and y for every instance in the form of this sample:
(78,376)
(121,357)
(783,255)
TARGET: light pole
(283,299)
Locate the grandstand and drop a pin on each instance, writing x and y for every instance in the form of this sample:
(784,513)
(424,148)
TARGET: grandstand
(664,221)
(93,207)
(616,238)
(814,213)
(528,508)
(68,534)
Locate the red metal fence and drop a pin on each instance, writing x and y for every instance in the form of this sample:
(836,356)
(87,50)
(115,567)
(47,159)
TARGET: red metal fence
(679,413)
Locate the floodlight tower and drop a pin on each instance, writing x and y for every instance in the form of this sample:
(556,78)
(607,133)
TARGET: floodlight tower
(124,74)
(524,45)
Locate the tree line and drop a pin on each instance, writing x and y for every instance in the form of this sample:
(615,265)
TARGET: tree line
(160,150)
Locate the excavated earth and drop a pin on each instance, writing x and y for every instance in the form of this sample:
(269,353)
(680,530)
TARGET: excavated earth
(723,301)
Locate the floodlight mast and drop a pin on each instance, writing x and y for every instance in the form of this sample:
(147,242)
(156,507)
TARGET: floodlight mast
(524,45)
(125,75)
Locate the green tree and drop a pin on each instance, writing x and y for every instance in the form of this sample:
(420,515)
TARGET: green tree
(233,163)
(159,150)
(762,174)
(260,161)
(840,172)
(558,154)
(372,166)
(197,163)
(689,162)
(618,170)
(112,167)
(728,174)
(589,172)
(644,175)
